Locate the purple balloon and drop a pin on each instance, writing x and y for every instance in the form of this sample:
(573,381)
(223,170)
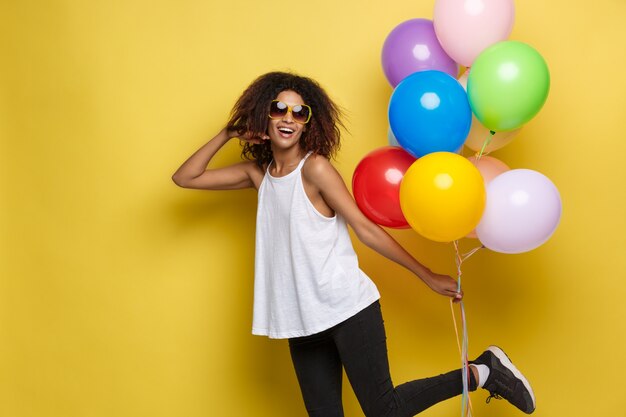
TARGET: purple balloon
(413,46)
(523,210)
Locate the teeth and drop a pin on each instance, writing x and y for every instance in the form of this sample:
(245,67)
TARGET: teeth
(285,129)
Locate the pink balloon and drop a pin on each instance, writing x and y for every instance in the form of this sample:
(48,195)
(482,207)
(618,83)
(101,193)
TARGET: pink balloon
(522,212)
(489,167)
(466,27)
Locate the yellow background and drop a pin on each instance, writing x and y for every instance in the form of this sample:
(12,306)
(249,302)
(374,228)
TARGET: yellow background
(123,295)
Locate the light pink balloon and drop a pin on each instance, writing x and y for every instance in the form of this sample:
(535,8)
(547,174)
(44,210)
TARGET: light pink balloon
(489,167)
(466,27)
(522,212)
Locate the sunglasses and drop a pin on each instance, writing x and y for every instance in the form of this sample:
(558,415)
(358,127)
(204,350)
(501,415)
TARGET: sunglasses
(301,113)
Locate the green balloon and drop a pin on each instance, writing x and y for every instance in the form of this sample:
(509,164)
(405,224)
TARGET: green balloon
(507,85)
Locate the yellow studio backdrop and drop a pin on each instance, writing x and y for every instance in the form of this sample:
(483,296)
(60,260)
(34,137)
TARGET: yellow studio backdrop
(123,295)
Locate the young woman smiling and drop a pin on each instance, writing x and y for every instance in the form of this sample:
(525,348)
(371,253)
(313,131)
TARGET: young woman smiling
(308,286)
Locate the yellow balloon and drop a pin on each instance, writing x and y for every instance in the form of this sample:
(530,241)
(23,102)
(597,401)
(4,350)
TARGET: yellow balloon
(442,196)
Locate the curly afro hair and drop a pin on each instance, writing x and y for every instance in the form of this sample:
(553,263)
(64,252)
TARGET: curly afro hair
(251,110)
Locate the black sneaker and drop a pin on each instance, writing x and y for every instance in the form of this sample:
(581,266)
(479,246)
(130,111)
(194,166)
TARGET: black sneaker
(505,381)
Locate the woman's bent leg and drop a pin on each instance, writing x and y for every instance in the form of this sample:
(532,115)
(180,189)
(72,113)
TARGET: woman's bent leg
(420,394)
(362,346)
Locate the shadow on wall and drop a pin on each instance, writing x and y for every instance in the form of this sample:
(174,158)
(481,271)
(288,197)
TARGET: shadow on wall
(222,207)
(256,363)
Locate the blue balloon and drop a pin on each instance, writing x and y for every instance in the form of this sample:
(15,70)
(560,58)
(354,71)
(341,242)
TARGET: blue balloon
(429,112)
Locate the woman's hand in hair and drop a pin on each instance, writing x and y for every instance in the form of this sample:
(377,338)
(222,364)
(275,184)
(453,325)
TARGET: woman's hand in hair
(247,136)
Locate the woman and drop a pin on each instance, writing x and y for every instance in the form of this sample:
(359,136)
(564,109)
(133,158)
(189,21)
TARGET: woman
(308,285)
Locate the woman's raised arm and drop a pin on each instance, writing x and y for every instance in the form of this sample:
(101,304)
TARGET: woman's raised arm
(193,173)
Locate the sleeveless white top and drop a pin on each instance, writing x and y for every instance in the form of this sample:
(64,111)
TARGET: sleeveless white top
(307,277)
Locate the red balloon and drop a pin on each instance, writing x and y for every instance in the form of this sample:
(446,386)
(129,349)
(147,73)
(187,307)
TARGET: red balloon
(376,185)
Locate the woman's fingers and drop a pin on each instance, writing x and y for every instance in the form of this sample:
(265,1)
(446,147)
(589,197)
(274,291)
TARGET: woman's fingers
(250,137)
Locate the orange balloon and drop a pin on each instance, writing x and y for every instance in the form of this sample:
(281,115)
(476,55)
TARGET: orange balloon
(489,167)
(442,196)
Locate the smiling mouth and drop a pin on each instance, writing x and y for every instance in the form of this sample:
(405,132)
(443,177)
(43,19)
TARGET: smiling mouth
(286,130)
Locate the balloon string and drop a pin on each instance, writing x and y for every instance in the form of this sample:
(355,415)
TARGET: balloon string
(456,326)
(486,142)
(465,256)
(466,403)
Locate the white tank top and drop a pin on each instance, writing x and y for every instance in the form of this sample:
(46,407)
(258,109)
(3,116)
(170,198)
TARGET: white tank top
(307,276)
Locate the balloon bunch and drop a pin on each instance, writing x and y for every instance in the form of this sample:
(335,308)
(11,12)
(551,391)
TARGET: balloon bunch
(422,180)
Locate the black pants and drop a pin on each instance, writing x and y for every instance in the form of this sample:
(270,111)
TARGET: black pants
(359,345)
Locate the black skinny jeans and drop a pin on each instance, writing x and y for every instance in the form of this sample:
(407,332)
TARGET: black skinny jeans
(359,345)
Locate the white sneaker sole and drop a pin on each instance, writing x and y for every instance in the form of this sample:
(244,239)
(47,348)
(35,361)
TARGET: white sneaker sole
(508,364)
